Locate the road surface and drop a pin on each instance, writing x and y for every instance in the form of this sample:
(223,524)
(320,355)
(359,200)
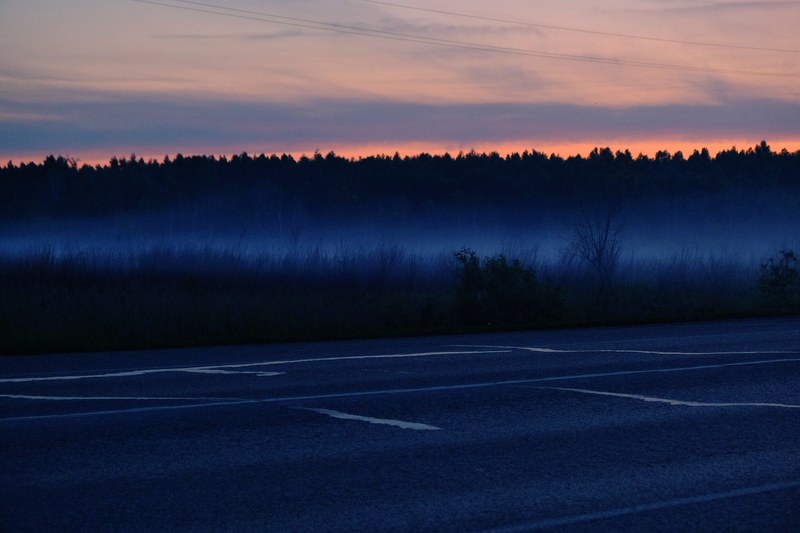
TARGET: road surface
(691,427)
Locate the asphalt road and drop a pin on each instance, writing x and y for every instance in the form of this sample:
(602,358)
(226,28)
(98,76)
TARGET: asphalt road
(691,427)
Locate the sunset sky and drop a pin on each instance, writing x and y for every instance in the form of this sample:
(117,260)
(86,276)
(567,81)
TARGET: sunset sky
(91,79)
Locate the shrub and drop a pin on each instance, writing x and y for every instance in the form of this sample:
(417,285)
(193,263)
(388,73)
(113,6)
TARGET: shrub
(779,283)
(500,293)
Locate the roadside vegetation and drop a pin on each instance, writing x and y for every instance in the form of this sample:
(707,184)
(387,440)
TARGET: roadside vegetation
(596,213)
(168,297)
(779,283)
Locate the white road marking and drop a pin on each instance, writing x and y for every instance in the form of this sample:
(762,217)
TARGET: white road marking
(608,350)
(218,369)
(526,348)
(106,398)
(131,411)
(673,402)
(657,352)
(439,388)
(371,420)
(646,507)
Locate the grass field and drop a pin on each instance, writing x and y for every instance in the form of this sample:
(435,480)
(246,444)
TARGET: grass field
(166,296)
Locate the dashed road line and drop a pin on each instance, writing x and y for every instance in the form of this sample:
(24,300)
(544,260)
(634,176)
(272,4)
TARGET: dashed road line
(227,372)
(673,402)
(385,421)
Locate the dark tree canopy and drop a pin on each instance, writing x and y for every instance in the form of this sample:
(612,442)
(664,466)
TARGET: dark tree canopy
(332,185)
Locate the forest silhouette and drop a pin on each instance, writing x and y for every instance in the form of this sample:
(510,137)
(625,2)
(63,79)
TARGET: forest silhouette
(331,185)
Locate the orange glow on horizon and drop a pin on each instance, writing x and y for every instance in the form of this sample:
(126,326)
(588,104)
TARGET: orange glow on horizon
(646,147)
(562,149)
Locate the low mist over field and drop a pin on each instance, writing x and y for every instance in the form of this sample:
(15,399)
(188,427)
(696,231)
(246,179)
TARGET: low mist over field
(214,250)
(653,231)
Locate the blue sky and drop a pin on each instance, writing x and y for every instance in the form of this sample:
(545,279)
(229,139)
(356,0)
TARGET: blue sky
(96,78)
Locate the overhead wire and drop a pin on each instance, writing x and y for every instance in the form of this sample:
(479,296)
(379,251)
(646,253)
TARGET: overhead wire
(215,9)
(579,30)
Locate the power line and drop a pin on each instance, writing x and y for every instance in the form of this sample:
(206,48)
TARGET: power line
(214,9)
(580,30)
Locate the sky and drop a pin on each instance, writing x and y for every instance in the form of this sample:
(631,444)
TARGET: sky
(92,79)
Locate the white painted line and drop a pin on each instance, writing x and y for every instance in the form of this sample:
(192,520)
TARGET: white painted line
(655,352)
(219,369)
(126,374)
(131,411)
(106,398)
(357,357)
(385,421)
(440,388)
(526,348)
(674,402)
(566,521)
(606,350)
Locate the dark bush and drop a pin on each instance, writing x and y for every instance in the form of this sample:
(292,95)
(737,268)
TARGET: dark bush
(499,293)
(779,283)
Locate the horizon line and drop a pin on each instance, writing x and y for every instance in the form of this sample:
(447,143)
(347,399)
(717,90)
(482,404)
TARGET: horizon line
(360,151)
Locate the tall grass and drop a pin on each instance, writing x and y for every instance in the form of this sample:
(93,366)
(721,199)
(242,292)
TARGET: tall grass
(171,296)
(176,297)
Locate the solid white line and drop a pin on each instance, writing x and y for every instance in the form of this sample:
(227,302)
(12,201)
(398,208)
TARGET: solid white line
(526,348)
(371,420)
(106,398)
(608,350)
(134,410)
(654,352)
(646,507)
(440,388)
(219,369)
(674,402)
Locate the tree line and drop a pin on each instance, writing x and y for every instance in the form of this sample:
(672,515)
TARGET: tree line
(334,185)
